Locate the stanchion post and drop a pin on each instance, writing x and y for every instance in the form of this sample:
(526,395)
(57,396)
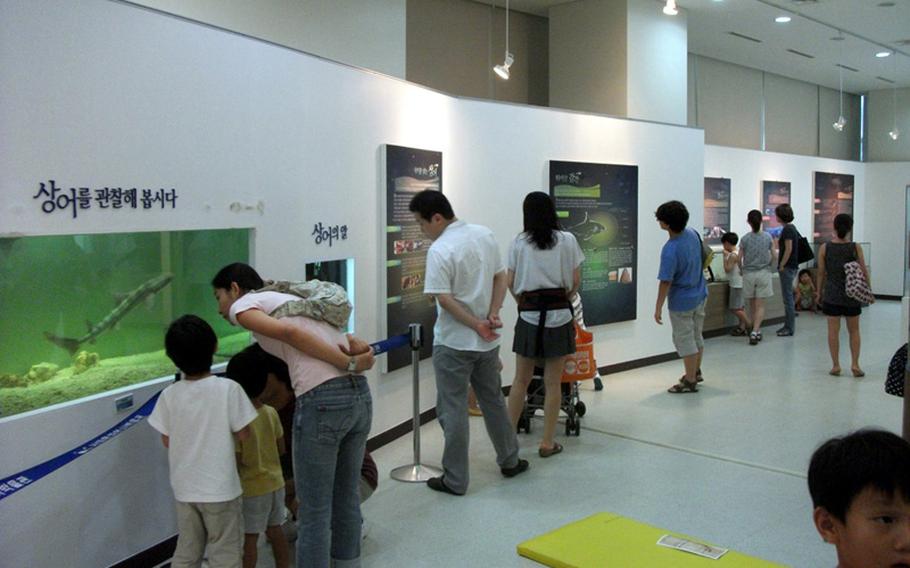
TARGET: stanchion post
(415,472)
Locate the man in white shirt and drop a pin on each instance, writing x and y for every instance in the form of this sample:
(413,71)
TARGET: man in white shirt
(466,276)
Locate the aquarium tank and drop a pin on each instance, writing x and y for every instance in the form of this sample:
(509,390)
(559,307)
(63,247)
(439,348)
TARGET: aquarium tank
(84,314)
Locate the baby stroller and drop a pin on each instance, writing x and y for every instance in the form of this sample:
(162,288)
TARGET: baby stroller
(579,366)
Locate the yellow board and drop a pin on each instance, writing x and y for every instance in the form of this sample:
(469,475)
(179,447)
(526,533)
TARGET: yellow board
(607,539)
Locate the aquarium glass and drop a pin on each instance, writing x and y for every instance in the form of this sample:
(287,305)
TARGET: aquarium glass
(83,314)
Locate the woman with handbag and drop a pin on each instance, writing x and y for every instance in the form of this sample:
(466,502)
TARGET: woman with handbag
(834,263)
(544,272)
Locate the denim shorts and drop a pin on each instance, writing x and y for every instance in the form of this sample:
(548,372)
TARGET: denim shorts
(263,511)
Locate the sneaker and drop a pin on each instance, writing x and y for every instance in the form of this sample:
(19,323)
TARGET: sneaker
(521,467)
(437,484)
(753,338)
(758,335)
(784,332)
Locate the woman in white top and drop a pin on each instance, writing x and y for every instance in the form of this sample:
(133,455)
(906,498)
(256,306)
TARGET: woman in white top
(544,273)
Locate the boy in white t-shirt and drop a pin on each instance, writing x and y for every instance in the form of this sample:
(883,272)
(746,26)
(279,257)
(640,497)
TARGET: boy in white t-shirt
(736,304)
(199,418)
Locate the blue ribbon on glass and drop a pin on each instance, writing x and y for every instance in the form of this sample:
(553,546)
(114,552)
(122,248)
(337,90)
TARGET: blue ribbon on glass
(13,483)
(381,347)
(21,480)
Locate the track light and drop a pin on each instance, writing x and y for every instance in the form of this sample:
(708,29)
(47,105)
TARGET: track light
(841,121)
(670,9)
(503,69)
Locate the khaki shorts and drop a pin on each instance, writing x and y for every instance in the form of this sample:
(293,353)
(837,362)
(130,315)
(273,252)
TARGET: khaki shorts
(263,511)
(216,524)
(757,284)
(687,327)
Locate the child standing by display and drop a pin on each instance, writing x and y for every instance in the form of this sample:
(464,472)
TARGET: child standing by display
(735,279)
(804,292)
(198,418)
(683,287)
(259,464)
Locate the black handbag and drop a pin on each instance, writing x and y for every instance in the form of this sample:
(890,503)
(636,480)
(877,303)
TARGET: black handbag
(804,250)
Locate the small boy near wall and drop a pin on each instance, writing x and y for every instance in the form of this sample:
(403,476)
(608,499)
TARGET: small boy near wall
(736,303)
(259,463)
(860,487)
(198,418)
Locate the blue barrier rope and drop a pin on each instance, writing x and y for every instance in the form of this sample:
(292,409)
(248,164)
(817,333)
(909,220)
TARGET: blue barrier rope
(395,342)
(18,481)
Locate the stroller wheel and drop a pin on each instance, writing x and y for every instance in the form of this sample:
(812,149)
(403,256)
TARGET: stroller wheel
(580,408)
(570,426)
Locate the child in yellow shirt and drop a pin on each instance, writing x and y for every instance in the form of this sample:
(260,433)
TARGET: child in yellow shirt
(259,464)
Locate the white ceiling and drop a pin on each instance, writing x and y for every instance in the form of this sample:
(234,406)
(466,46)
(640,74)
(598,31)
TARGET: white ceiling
(868,26)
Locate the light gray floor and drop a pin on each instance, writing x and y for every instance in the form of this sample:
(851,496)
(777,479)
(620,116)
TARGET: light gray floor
(726,465)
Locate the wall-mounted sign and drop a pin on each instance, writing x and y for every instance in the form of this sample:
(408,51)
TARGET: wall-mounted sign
(407,171)
(773,193)
(598,203)
(833,195)
(329,233)
(717,209)
(81,198)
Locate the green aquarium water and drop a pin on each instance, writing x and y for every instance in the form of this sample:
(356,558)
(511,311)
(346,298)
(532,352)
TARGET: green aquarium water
(83,314)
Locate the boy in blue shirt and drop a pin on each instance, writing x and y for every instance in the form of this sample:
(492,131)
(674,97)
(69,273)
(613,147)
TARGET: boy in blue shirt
(682,282)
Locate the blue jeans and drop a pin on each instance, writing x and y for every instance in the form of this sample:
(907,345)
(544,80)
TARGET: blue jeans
(787,276)
(331,424)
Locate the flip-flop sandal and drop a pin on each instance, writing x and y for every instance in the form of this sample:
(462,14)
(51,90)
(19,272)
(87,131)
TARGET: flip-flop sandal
(545,453)
(683,387)
(834,373)
(858,373)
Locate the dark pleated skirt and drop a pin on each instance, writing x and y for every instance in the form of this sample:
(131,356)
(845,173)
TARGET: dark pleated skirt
(557,341)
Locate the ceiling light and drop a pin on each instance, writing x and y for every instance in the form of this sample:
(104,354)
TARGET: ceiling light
(882,54)
(782,19)
(503,69)
(840,124)
(894,133)
(670,8)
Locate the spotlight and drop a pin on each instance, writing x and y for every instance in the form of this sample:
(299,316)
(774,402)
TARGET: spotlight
(503,69)
(670,9)
(894,134)
(839,125)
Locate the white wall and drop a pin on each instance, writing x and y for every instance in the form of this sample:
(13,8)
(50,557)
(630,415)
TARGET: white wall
(656,52)
(123,95)
(365,34)
(886,184)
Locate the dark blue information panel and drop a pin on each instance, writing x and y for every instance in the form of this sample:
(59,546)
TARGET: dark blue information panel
(407,171)
(598,203)
(717,209)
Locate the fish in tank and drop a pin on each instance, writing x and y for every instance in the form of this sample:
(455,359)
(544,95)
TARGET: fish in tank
(84,314)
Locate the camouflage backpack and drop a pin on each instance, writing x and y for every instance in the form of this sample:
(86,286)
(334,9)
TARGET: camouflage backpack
(322,301)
